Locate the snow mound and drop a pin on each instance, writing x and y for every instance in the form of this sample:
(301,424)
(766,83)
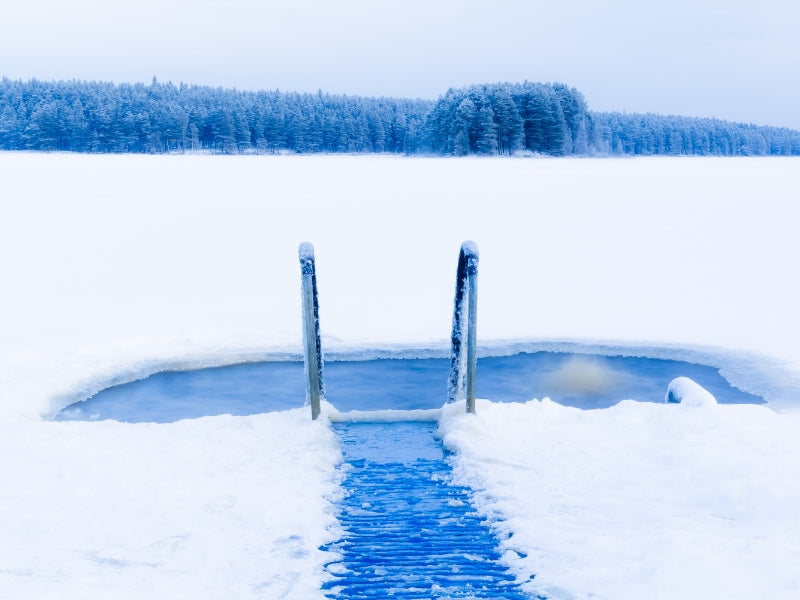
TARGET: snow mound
(683,390)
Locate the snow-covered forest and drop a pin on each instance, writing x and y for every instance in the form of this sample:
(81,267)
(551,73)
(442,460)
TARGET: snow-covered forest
(490,119)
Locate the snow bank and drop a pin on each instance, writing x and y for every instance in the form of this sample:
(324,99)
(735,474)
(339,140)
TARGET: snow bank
(222,507)
(639,500)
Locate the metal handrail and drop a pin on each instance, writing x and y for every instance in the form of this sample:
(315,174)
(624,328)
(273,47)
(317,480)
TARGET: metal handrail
(463,364)
(312,355)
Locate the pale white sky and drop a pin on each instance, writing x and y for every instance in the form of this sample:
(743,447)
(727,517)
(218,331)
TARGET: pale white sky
(732,59)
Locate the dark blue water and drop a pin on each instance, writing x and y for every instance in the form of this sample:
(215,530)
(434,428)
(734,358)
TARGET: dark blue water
(409,533)
(571,379)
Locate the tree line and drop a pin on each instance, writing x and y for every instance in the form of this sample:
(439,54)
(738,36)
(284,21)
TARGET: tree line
(491,119)
(156,118)
(651,134)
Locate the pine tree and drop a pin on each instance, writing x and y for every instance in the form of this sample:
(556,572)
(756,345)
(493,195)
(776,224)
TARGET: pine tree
(510,128)
(487,140)
(42,132)
(467,127)
(9,129)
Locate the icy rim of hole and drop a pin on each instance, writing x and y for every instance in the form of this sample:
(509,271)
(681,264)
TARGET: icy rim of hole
(775,381)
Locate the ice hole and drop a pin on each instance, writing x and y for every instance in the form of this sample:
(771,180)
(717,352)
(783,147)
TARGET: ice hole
(586,381)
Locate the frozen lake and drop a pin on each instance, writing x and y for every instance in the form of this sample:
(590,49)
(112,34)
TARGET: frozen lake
(119,267)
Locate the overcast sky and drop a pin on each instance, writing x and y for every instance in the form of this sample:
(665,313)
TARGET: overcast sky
(731,59)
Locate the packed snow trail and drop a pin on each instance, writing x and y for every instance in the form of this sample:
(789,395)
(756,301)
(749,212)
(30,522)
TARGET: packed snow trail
(409,533)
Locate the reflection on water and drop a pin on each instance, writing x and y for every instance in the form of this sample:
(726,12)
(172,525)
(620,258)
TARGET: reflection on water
(586,376)
(584,381)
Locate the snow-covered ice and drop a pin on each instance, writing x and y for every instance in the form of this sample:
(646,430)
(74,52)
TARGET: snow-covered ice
(115,267)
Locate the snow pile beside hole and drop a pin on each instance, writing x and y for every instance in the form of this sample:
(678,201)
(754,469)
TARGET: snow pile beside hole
(683,390)
(218,507)
(637,500)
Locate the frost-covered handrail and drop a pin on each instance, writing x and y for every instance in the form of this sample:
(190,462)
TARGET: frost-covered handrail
(312,355)
(461,385)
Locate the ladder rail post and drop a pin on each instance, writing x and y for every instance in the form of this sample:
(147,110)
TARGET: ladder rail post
(463,358)
(472,326)
(312,348)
